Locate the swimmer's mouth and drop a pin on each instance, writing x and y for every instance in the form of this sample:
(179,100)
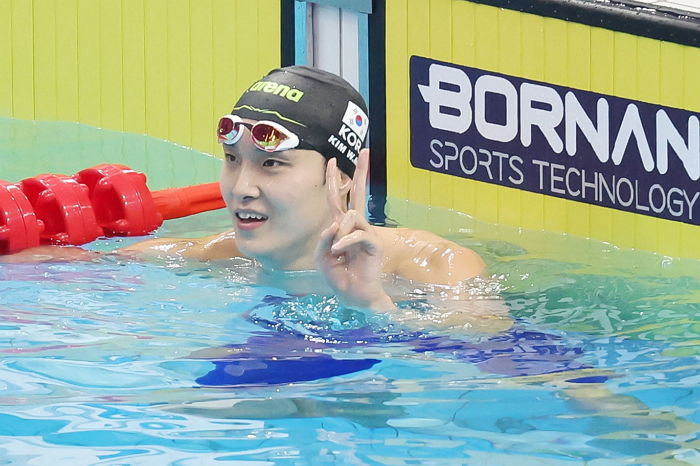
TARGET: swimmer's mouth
(250,218)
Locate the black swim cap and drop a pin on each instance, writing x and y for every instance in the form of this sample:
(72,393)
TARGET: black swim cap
(320,107)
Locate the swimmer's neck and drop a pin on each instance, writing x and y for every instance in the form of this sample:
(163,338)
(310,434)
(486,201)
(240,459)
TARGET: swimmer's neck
(272,267)
(295,282)
(284,262)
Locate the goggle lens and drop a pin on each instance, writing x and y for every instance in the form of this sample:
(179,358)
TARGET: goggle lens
(267,137)
(229,131)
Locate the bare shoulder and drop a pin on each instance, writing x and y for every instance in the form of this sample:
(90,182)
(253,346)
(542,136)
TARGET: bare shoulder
(424,256)
(214,247)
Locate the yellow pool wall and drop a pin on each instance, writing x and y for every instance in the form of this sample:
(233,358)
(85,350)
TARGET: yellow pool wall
(165,68)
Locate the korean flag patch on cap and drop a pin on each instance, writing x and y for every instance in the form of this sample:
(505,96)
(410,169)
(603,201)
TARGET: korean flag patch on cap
(356,120)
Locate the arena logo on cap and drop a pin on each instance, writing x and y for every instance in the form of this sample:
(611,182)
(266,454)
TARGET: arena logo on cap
(281,90)
(558,141)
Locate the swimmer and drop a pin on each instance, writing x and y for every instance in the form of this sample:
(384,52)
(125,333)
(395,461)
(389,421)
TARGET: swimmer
(294,179)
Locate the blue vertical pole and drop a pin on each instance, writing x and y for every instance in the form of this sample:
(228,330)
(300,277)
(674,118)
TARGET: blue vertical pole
(300,28)
(363,54)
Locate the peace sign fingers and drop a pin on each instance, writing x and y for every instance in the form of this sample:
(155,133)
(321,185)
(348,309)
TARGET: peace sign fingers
(358,194)
(332,189)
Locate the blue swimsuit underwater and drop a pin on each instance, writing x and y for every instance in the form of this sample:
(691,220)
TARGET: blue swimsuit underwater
(288,355)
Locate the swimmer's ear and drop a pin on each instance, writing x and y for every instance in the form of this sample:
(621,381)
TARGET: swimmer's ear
(345,183)
(344,189)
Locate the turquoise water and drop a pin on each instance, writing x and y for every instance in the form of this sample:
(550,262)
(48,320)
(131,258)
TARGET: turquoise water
(113,362)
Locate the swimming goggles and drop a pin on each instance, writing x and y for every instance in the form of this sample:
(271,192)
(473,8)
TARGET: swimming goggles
(266,135)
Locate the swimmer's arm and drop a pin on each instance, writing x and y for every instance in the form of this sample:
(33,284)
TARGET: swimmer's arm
(459,311)
(428,258)
(455,314)
(219,246)
(50,253)
(214,247)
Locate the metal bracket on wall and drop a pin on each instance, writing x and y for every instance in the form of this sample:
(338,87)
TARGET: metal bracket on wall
(362,6)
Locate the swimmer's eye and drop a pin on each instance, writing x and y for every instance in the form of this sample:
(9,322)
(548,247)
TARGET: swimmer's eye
(272,163)
(230,157)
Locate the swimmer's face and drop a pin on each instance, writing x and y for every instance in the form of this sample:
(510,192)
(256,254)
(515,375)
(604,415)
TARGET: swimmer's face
(277,201)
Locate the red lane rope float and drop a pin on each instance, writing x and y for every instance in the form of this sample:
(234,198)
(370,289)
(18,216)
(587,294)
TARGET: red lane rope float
(126,207)
(122,200)
(62,204)
(19,227)
(105,200)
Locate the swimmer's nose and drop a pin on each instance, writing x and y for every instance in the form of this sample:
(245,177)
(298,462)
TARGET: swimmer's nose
(245,186)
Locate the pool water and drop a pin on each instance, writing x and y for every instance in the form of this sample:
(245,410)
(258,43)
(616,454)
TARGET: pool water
(122,361)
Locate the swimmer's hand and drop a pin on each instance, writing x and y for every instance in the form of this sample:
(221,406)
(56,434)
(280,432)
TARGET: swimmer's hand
(350,253)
